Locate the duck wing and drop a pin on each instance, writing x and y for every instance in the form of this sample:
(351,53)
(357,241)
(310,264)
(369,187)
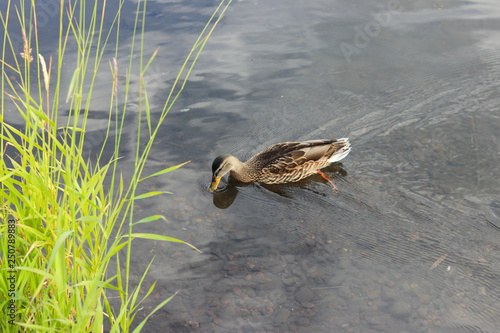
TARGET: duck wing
(286,156)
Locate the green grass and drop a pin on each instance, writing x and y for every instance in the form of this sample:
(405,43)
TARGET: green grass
(72,221)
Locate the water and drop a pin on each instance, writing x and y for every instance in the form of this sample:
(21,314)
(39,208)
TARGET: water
(408,243)
(410,240)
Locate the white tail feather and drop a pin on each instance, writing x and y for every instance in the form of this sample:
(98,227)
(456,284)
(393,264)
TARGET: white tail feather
(343,152)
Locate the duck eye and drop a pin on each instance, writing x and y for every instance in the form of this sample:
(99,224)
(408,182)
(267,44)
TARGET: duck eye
(218,163)
(216,167)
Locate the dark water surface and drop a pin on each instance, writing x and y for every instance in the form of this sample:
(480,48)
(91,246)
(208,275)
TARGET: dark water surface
(415,87)
(410,242)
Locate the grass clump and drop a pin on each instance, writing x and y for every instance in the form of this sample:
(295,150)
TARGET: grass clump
(67,222)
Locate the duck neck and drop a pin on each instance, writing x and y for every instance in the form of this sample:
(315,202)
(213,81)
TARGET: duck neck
(240,170)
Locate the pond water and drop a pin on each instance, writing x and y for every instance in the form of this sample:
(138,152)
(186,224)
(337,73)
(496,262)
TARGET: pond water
(410,241)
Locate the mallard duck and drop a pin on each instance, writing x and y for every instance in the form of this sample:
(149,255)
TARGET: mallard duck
(285,162)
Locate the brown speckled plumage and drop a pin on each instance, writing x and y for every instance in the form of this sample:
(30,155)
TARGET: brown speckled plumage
(283,162)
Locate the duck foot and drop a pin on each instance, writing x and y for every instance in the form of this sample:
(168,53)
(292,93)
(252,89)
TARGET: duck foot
(328,179)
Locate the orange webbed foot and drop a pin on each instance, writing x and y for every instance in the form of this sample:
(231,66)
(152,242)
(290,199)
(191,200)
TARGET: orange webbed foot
(328,179)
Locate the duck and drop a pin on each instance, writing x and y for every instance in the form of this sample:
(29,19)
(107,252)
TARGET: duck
(282,163)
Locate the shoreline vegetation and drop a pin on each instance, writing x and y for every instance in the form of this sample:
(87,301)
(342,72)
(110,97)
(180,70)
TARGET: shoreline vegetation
(67,224)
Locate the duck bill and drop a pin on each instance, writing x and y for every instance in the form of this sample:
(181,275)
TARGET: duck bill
(214,184)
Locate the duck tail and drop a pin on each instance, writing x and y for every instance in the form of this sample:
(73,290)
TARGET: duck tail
(342,152)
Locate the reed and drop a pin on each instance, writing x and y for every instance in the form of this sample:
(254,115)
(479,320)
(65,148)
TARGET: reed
(67,231)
